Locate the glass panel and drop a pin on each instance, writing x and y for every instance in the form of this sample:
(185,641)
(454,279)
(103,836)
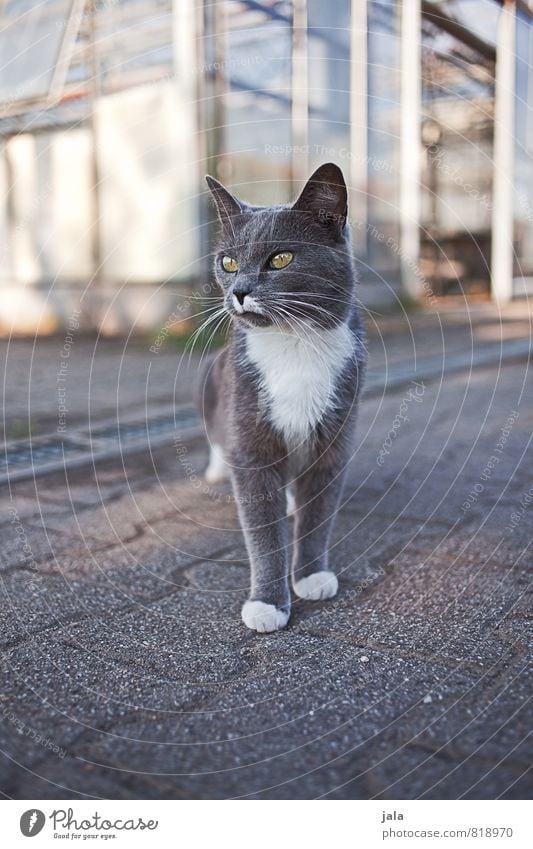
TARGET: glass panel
(30,38)
(383,238)
(257,75)
(523,175)
(457,148)
(133,42)
(479,16)
(329,83)
(133,45)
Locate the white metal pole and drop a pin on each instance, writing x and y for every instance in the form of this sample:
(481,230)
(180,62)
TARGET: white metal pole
(504,141)
(359,123)
(66,50)
(300,92)
(186,69)
(410,152)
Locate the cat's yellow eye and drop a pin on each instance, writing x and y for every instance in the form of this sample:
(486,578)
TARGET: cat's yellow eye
(281,260)
(229,264)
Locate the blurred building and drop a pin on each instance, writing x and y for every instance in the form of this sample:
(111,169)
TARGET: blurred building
(111,112)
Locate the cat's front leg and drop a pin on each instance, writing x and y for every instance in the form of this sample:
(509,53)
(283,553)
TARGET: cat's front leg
(261,502)
(317,494)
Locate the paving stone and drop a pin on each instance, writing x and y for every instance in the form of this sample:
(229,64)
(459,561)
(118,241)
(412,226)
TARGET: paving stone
(123,647)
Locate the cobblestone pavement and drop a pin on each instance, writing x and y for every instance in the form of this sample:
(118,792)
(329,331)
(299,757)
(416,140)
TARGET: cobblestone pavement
(127,672)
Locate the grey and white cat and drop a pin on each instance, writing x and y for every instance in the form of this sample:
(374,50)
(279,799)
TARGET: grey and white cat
(279,402)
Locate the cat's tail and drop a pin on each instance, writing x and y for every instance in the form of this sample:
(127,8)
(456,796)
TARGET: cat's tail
(206,394)
(210,404)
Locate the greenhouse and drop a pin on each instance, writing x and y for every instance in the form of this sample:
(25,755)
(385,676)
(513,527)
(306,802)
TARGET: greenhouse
(111,113)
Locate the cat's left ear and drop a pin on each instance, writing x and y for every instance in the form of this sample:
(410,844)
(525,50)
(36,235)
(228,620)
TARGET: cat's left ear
(325,194)
(227,205)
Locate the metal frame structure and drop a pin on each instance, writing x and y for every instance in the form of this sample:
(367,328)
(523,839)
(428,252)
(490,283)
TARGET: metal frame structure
(502,218)
(411,22)
(85,70)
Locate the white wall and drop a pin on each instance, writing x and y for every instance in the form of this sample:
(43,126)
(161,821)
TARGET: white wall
(70,206)
(149,186)
(25,202)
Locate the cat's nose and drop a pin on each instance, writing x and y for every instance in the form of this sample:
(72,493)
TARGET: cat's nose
(241,293)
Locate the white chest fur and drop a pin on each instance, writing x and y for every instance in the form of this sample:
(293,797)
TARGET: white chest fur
(298,376)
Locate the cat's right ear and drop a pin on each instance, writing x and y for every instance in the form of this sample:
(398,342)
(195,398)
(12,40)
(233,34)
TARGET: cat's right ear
(227,205)
(326,196)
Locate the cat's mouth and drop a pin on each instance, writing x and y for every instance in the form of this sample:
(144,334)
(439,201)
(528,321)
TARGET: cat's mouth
(247,310)
(252,319)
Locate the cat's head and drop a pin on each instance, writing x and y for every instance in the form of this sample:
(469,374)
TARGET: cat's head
(286,265)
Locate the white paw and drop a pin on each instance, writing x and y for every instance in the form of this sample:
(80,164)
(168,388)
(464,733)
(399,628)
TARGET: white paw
(214,477)
(291,503)
(263,617)
(318,586)
(217,470)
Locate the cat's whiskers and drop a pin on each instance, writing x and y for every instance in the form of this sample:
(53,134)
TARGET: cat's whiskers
(197,297)
(284,320)
(309,327)
(310,306)
(304,328)
(216,329)
(288,305)
(313,295)
(205,324)
(306,324)
(353,301)
(217,311)
(356,301)
(361,339)
(190,316)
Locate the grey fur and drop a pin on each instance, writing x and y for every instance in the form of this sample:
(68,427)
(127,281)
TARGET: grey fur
(321,278)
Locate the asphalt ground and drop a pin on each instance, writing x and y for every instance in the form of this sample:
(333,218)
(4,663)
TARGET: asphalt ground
(127,672)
